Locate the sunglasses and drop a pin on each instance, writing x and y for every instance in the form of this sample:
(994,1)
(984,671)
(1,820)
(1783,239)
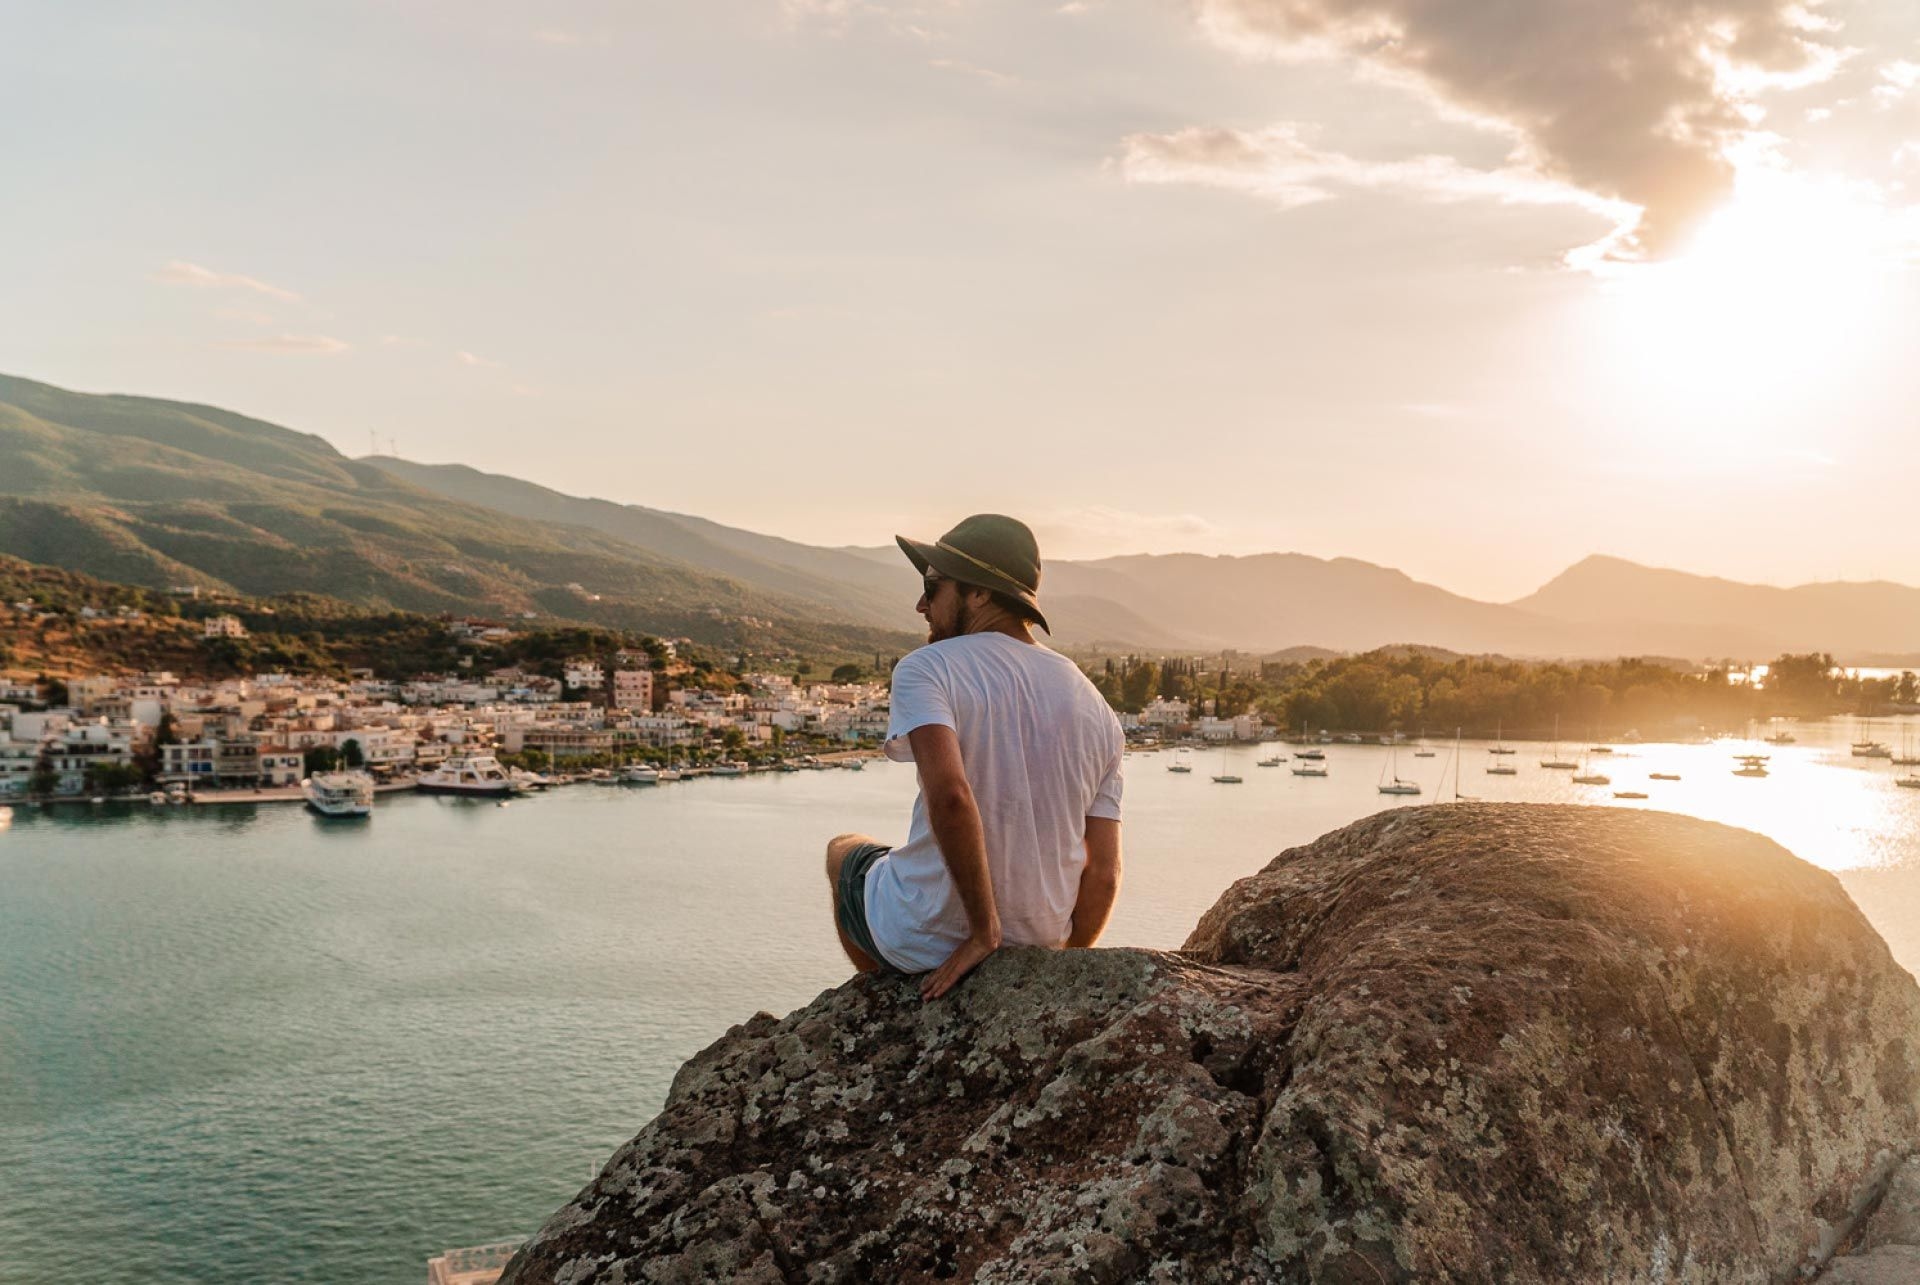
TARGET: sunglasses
(930,585)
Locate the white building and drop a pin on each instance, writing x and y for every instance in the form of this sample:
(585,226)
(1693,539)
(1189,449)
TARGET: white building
(225,627)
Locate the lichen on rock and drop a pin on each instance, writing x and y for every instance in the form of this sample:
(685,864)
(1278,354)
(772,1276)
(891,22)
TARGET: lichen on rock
(1463,1043)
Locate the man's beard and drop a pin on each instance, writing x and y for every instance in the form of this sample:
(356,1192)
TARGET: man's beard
(962,624)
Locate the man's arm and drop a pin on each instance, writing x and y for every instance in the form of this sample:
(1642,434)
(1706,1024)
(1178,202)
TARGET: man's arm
(955,819)
(1099,882)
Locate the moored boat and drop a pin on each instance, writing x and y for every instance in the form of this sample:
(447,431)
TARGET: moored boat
(472,775)
(339,794)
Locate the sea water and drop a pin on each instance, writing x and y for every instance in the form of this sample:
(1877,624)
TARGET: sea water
(245,1043)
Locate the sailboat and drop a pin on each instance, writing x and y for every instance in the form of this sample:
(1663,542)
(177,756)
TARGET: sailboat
(1867,747)
(1555,761)
(1906,757)
(1457,796)
(1182,761)
(1584,777)
(1499,740)
(1396,786)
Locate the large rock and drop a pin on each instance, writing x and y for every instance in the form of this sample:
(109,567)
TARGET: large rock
(1500,1043)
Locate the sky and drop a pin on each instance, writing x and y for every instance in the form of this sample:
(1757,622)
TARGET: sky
(1468,289)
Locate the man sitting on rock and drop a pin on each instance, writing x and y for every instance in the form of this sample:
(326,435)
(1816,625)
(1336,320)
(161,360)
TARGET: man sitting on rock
(1015,836)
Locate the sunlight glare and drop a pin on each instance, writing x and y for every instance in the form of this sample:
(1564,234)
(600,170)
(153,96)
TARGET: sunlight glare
(1732,345)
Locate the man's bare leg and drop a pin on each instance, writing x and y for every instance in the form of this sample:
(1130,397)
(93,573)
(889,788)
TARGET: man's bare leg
(837,849)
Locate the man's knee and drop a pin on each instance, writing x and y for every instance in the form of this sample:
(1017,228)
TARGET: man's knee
(838,848)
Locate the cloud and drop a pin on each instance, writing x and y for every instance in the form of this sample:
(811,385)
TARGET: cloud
(290,344)
(470,359)
(1897,80)
(1633,103)
(1277,163)
(179,272)
(992,77)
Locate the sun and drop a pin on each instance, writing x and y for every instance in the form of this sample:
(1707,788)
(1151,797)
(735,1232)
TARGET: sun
(1778,298)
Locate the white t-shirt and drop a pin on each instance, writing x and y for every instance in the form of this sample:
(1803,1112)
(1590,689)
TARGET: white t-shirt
(1042,752)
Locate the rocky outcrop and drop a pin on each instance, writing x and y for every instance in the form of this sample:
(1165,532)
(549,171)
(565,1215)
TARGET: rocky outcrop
(1464,1043)
(1886,1251)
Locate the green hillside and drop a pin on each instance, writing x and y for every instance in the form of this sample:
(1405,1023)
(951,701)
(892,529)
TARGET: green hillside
(158,493)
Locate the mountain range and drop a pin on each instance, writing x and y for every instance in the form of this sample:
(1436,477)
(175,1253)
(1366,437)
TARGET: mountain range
(159,493)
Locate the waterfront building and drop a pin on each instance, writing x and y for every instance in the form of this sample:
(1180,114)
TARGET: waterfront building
(190,762)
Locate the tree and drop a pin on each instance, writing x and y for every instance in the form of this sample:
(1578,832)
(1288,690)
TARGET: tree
(112,776)
(321,758)
(733,738)
(1139,685)
(351,754)
(1802,679)
(848,673)
(45,780)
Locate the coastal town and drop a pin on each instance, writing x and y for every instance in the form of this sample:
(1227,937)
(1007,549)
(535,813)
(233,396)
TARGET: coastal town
(261,735)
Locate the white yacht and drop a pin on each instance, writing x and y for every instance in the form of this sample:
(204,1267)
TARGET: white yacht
(476,775)
(339,794)
(641,774)
(729,767)
(1396,785)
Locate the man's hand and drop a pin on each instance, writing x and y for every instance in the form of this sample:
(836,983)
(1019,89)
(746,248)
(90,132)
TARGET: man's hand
(958,965)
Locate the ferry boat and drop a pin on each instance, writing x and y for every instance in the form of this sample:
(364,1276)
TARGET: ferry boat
(339,794)
(473,775)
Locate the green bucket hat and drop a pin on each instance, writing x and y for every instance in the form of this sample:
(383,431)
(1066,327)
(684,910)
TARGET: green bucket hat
(988,550)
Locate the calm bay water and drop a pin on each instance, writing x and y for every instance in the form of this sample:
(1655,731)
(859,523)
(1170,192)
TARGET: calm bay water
(244,1044)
